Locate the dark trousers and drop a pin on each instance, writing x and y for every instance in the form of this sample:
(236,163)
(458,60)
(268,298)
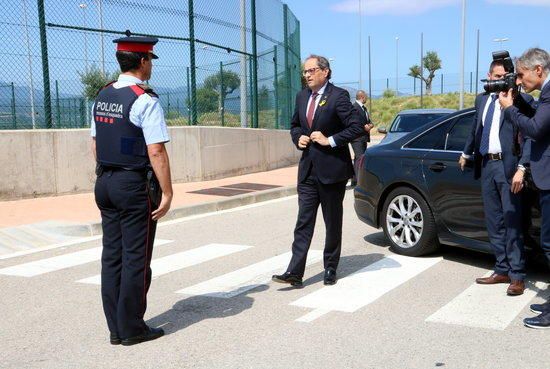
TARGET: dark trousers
(545,223)
(311,193)
(359,148)
(128,234)
(503,215)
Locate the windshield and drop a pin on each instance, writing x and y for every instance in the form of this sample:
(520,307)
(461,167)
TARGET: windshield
(409,122)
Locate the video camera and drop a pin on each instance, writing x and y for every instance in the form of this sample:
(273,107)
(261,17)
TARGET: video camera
(509,80)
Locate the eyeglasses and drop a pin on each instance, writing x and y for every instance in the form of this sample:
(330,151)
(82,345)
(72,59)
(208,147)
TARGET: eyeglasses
(310,71)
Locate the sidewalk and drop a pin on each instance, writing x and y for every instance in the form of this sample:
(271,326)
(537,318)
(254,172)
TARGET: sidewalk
(32,223)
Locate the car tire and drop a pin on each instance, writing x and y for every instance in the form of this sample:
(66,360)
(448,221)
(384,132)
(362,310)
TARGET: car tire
(408,223)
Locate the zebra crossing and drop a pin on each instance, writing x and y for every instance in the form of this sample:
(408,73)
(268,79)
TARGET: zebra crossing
(478,306)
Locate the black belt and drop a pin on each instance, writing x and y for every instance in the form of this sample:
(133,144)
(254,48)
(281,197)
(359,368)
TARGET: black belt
(493,156)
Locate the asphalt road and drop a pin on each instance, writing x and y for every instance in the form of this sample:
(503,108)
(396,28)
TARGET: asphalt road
(212,295)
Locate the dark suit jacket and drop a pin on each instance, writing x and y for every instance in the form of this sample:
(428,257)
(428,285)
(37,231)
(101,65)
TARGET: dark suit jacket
(508,135)
(538,129)
(334,117)
(366,119)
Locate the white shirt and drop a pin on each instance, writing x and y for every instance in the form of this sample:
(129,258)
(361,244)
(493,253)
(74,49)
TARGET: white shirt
(494,140)
(545,82)
(317,100)
(146,113)
(363,107)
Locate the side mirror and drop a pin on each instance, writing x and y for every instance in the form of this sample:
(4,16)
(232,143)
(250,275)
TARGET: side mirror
(382,130)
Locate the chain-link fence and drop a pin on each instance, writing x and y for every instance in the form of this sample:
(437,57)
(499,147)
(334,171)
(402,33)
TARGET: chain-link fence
(226,63)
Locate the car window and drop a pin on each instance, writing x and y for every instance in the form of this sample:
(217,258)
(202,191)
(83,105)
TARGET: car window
(410,122)
(456,138)
(434,139)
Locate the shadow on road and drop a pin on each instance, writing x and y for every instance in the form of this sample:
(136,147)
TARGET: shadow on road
(195,309)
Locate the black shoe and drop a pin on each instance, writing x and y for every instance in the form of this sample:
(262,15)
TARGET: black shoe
(539,322)
(540,308)
(330,277)
(115,340)
(288,277)
(149,335)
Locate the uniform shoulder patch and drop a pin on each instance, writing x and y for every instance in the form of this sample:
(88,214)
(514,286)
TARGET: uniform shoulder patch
(148,90)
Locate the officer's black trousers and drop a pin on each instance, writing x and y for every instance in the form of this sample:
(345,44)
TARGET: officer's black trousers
(128,234)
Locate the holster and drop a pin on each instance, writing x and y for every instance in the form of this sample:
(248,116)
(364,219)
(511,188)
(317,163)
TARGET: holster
(153,188)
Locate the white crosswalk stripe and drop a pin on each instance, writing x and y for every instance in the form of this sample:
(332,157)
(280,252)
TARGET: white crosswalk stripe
(242,280)
(65,261)
(184,259)
(364,286)
(486,306)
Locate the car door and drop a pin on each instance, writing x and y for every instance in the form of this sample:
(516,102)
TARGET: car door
(455,194)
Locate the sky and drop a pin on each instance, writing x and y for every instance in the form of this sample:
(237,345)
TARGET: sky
(331,28)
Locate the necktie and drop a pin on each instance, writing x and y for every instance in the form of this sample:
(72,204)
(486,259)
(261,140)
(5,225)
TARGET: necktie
(366,113)
(484,145)
(311,109)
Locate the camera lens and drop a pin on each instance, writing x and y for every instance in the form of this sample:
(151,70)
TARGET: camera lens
(496,86)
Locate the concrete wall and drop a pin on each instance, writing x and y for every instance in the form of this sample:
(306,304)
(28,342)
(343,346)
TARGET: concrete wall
(49,162)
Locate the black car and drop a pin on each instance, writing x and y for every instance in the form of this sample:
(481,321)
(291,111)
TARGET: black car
(414,189)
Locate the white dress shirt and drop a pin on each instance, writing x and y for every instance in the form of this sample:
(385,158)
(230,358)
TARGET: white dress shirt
(494,140)
(316,102)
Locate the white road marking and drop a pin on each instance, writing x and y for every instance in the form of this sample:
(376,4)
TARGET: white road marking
(55,263)
(486,306)
(364,286)
(181,260)
(247,278)
(50,247)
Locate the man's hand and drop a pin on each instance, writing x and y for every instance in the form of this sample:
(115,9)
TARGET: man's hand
(163,208)
(517,181)
(303,141)
(319,138)
(506,99)
(462,162)
(368,127)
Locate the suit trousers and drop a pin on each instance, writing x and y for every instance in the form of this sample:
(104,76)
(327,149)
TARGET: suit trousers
(503,215)
(359,148)
(128,234)
(311,193)
(545,223)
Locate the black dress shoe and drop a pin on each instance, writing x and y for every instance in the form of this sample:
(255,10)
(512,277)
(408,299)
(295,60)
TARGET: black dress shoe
(330,277)
(288,277)
(539,322)
(115,340)
(149,335)
(540,308)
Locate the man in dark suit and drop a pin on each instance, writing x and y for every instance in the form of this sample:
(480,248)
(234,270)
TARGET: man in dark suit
(498,160)
(323,124)
(533,73)
(359,145)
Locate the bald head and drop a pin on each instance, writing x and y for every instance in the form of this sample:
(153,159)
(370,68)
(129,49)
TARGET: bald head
(361,96)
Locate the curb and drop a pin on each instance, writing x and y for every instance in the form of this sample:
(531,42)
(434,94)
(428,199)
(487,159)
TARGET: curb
(94,228)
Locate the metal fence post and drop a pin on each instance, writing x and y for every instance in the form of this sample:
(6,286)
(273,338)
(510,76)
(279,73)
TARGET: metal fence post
(188,99)
(192,64)
(222,90)
(254,64)
(471,75)
(252,100)
(13,111)
(58,114)
(82,113)
(276,85)
(442,83)
(45,67)
(288,93)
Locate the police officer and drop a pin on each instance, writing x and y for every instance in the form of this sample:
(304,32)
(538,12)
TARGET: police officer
(128,137)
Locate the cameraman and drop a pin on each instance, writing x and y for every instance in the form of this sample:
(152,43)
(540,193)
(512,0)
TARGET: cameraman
(533,73)
(501,168)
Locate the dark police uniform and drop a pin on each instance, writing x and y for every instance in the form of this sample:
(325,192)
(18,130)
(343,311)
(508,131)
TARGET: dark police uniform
(126,118)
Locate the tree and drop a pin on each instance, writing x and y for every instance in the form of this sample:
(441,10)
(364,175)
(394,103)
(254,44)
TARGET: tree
(94,79)
(431,63)
(206,100)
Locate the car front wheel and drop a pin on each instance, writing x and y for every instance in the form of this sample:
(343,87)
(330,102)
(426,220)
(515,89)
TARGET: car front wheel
(408,223)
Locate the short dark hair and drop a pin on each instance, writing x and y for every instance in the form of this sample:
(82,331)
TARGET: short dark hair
(129,60)
(497,63)
(322,63)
